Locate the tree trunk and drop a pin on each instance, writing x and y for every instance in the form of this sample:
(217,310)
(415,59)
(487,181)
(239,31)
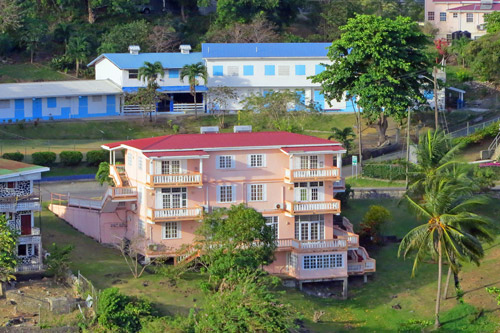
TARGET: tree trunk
(360,147)
(457,282)
(2,290)
(77,68)
(195,105)
(32,52)
(382,128)
(440,273)
(445,293)
(183,14)
(90,12)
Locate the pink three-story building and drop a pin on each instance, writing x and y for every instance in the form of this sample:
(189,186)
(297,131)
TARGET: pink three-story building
(168,182)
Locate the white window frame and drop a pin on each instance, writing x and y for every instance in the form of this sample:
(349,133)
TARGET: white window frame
(273,222)
(323,261)
(130,158)
(4,103)
(253,160)
(225,162)
(139,163)
(177,229)
(141,227)
(224,199)
(254,188)
(469,17)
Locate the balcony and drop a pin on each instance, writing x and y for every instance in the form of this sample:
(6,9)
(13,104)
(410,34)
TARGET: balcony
(352,238)
(12,207)
(174,214)
(173,180)
(289,244)
(302,175)
(312,207)
(123,193)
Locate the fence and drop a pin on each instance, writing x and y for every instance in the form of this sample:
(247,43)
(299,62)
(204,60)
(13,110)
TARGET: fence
(471,129)
(86,288)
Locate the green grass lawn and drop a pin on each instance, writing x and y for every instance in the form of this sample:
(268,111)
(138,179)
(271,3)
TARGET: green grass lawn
(370,182)
(27,72)
(368,309)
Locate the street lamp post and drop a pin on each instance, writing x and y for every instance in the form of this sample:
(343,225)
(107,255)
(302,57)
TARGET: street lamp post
(434,82)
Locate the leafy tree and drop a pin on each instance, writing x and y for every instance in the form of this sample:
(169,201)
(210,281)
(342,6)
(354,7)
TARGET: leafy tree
(258,30)
(78,49)
(344,196)
(335,14)
(120,37)
(378,61)
(219,99)
(32,33)
(373,220)
(102,175)
(448,209)
(345,136)
(63,32)
(120,313)
(234,239)
(10,15)
(459,48)
(164,38)
(149,72)
(492,22)
(58,262)
(484,57)
(8,258)
(192,73)
(146,98)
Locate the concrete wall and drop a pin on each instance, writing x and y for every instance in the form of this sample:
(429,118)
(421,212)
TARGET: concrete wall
(105,69)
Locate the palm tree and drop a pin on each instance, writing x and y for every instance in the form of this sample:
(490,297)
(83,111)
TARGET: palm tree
(78,49)
(459,48)
(345,136)
(450,229)
(192,72)
(149,72)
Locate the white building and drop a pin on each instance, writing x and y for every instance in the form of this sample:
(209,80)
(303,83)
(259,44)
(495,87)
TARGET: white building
(450,16)
(18,202)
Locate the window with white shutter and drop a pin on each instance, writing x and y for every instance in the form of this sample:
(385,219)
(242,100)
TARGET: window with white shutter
(283,70)
(257,192)
(232,70)
(256,160)
(225,162)
(225,193)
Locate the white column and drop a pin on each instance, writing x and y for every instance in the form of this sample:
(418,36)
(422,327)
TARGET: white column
(339,161)
(201,165)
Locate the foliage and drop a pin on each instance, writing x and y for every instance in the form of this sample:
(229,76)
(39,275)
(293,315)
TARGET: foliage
(484,57)
(59,261)
(219,98)
(464,75)
(489,131)
(70,157)
(131,251)
(96,157)
(192,72)
(244,297)
(374,218)
(102,175)
(33,32)
(234,239)
(494,291)
(384,171)
(280,110)
(121,36)
(146,98)
(121,313)
(45,158)
(10,15)
(344,196)
(345,136)
(335,14)
(62,63)
(485,177)
(377,61)
(459,48)
(414,325)
(258,30)
(8,244)
(492,22)
(78,50)
(17,156)
(164,38)
(149,72)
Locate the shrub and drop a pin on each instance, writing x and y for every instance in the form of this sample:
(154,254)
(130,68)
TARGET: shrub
(102,175)
(384,171)
(463,75)
(58,262)
(489,131)
(45,158)
(96,157)
(62,63)
(373,220)
(71,158)
(17,156)
(120,313)
(344,196)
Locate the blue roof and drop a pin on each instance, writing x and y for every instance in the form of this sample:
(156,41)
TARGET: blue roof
(168,89)
(134,61)
(259,50)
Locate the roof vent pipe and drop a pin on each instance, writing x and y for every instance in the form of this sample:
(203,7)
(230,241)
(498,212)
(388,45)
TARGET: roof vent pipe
(134,49)
(185,49)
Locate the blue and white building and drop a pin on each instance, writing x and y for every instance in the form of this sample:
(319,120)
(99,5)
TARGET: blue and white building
(59,100)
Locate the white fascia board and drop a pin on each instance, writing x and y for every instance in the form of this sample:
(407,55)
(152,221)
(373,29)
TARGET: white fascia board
(25,173)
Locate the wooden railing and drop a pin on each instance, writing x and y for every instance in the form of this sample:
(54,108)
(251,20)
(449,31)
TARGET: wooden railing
(312,207)
(174,214)
(115,175)
(180,179)
(312,244)
(331,173)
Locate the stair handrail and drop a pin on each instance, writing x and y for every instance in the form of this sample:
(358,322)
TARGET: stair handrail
(494,143)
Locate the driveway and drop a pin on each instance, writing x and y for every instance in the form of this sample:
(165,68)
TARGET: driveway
(86,189)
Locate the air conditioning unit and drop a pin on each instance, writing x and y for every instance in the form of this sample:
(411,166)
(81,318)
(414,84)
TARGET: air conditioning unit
(209,129)
(481,27)
(242,129)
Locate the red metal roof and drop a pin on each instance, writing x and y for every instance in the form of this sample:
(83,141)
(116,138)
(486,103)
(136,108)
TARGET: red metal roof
(476,7)
(222,140)
(176,153)
(314,148)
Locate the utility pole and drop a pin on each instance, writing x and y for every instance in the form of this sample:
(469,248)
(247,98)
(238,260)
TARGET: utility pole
(436,117)
(407,145)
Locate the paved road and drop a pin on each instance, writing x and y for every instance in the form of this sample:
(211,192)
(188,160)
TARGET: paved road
(86,189)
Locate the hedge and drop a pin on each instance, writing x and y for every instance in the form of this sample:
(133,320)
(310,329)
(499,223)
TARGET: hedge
(384,171)
(70,158)
(45,158)
(95,157)
(17,156)
(489,131)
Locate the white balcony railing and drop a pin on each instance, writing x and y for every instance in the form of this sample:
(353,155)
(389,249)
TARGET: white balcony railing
(173,213)
(311,206)
(19,206)
(181,179)
(357,267)
(312,174)
(84,202)
(370,264)
(122,192)
(312,244)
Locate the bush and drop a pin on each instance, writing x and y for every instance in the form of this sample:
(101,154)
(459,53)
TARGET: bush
(463,75)
(120,313)
(58,262)
(384,171)
(344,196)
(17,156)
(70,158)
(489,131)
(373,220)
(96,157)
(45,158)
(62,63)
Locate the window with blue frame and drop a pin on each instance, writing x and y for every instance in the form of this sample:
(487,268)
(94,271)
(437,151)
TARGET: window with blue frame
(269,70)
(217,71)
(51,102)
(300,69)
(247,70)
(173,73)
(319,69)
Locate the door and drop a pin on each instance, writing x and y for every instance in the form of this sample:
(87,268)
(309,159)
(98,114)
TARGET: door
(319,99)
(309,227)
(25,224)
(170,167)
(174,198)
(37,108)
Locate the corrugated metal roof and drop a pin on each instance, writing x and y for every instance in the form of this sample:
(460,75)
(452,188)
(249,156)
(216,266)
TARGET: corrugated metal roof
(135,61)
(476,8)
(168,89)
(58,88)
(177,153)
(259,50)
(9,168)
(312,149)
(223,140)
